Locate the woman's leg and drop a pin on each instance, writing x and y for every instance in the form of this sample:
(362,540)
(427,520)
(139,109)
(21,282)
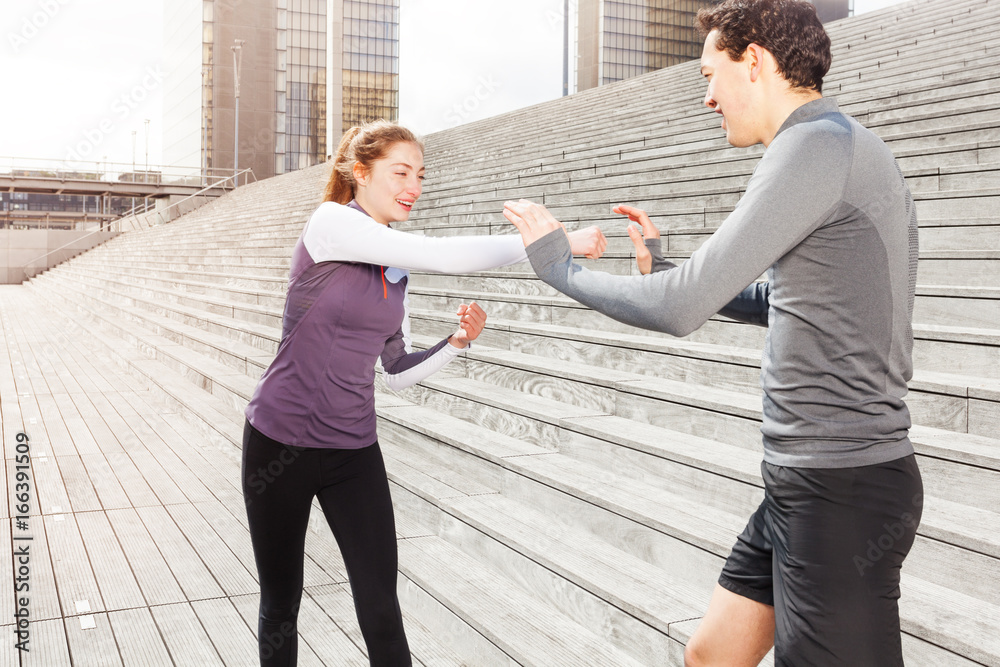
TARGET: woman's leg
(357,504)
(278,487)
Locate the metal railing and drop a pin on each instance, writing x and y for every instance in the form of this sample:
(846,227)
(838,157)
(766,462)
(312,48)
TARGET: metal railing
(108,171)
(158,214)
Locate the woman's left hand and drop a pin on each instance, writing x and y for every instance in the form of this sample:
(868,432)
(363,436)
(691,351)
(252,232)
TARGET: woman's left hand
(472,319)
(589,242)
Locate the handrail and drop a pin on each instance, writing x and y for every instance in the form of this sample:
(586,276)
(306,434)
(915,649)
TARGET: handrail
(107,169)
(232,177)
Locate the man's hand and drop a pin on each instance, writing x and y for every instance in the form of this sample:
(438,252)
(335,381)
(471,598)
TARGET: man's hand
(533,220)
(472,319)
(649,231)
(589,242)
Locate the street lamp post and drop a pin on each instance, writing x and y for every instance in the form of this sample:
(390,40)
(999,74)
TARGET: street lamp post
(133,166)
(205,78)
(237,61)
(146,121)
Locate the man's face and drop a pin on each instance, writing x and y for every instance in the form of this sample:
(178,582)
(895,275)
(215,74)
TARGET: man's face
(729,93)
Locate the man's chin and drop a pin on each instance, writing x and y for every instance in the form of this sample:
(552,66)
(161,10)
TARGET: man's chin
(737,141)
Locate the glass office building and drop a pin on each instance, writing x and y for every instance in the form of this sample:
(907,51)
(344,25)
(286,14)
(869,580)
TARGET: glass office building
(370,61)
(619,39)
(301,95)
(309,69)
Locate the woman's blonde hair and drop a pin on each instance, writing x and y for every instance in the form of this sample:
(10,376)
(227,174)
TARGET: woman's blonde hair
(363,145)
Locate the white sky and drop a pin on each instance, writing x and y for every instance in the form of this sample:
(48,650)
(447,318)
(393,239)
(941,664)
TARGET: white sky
(81,75)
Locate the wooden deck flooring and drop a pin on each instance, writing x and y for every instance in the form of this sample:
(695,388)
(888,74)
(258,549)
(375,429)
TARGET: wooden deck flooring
(139,549)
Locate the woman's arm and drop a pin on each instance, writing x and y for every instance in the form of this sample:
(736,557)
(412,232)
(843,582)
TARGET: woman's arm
(342,234)
(404,368)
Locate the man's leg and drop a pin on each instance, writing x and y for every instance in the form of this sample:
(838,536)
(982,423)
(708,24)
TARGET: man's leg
(735,631)
(738,628)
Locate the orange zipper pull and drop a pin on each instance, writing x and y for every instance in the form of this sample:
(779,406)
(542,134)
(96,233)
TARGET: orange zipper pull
(385,291)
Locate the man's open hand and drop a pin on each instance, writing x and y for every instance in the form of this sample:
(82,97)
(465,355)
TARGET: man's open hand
(648,231)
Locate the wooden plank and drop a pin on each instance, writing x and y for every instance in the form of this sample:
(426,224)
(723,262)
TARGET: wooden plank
(49,646)
(92,645)
(102,434)
(117,584)
(109,490)
(138,638)
(60,442)
(247,606)
(184,635)
(82,495)
(75,579)
(160,480)
(77,427)
(235,642)
(155,579)
(132,482)
(227,569)
(174,457)
(9,654)
(192,575)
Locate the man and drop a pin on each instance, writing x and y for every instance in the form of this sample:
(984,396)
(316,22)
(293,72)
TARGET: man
(827,215)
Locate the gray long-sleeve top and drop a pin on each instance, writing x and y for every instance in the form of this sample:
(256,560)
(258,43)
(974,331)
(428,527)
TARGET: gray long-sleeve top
(828,217)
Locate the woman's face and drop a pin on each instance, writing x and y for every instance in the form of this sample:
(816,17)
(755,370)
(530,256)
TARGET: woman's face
(390,189)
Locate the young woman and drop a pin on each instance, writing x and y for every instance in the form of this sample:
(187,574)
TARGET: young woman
(310,428)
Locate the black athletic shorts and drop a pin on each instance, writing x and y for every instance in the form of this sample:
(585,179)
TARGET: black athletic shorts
(825,549)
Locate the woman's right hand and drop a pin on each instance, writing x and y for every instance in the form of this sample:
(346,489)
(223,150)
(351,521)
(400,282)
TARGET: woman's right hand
(643,258)
(472,319)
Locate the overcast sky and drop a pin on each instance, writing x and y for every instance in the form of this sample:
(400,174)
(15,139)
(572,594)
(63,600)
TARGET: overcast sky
(84,74)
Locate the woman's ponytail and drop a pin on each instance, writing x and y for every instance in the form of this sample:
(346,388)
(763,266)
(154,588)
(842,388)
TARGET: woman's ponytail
(340,187)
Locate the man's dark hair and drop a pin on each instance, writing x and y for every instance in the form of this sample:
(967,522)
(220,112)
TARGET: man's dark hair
(788,29)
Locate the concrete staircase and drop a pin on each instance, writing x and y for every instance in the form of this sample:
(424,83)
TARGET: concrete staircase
(567,491)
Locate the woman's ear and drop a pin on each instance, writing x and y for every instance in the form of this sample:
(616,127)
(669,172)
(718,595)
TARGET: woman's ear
(360,174)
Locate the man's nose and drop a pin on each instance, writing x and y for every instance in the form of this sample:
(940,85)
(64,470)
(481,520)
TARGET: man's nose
(709,100)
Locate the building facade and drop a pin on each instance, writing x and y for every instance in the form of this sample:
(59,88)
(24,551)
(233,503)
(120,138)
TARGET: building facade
(619,39)
(308,70)
(615,40)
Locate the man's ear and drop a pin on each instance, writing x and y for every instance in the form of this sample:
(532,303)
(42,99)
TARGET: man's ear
(360,174)
(754,58)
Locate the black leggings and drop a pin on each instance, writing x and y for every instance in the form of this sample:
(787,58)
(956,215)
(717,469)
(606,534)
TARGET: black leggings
(279,483)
